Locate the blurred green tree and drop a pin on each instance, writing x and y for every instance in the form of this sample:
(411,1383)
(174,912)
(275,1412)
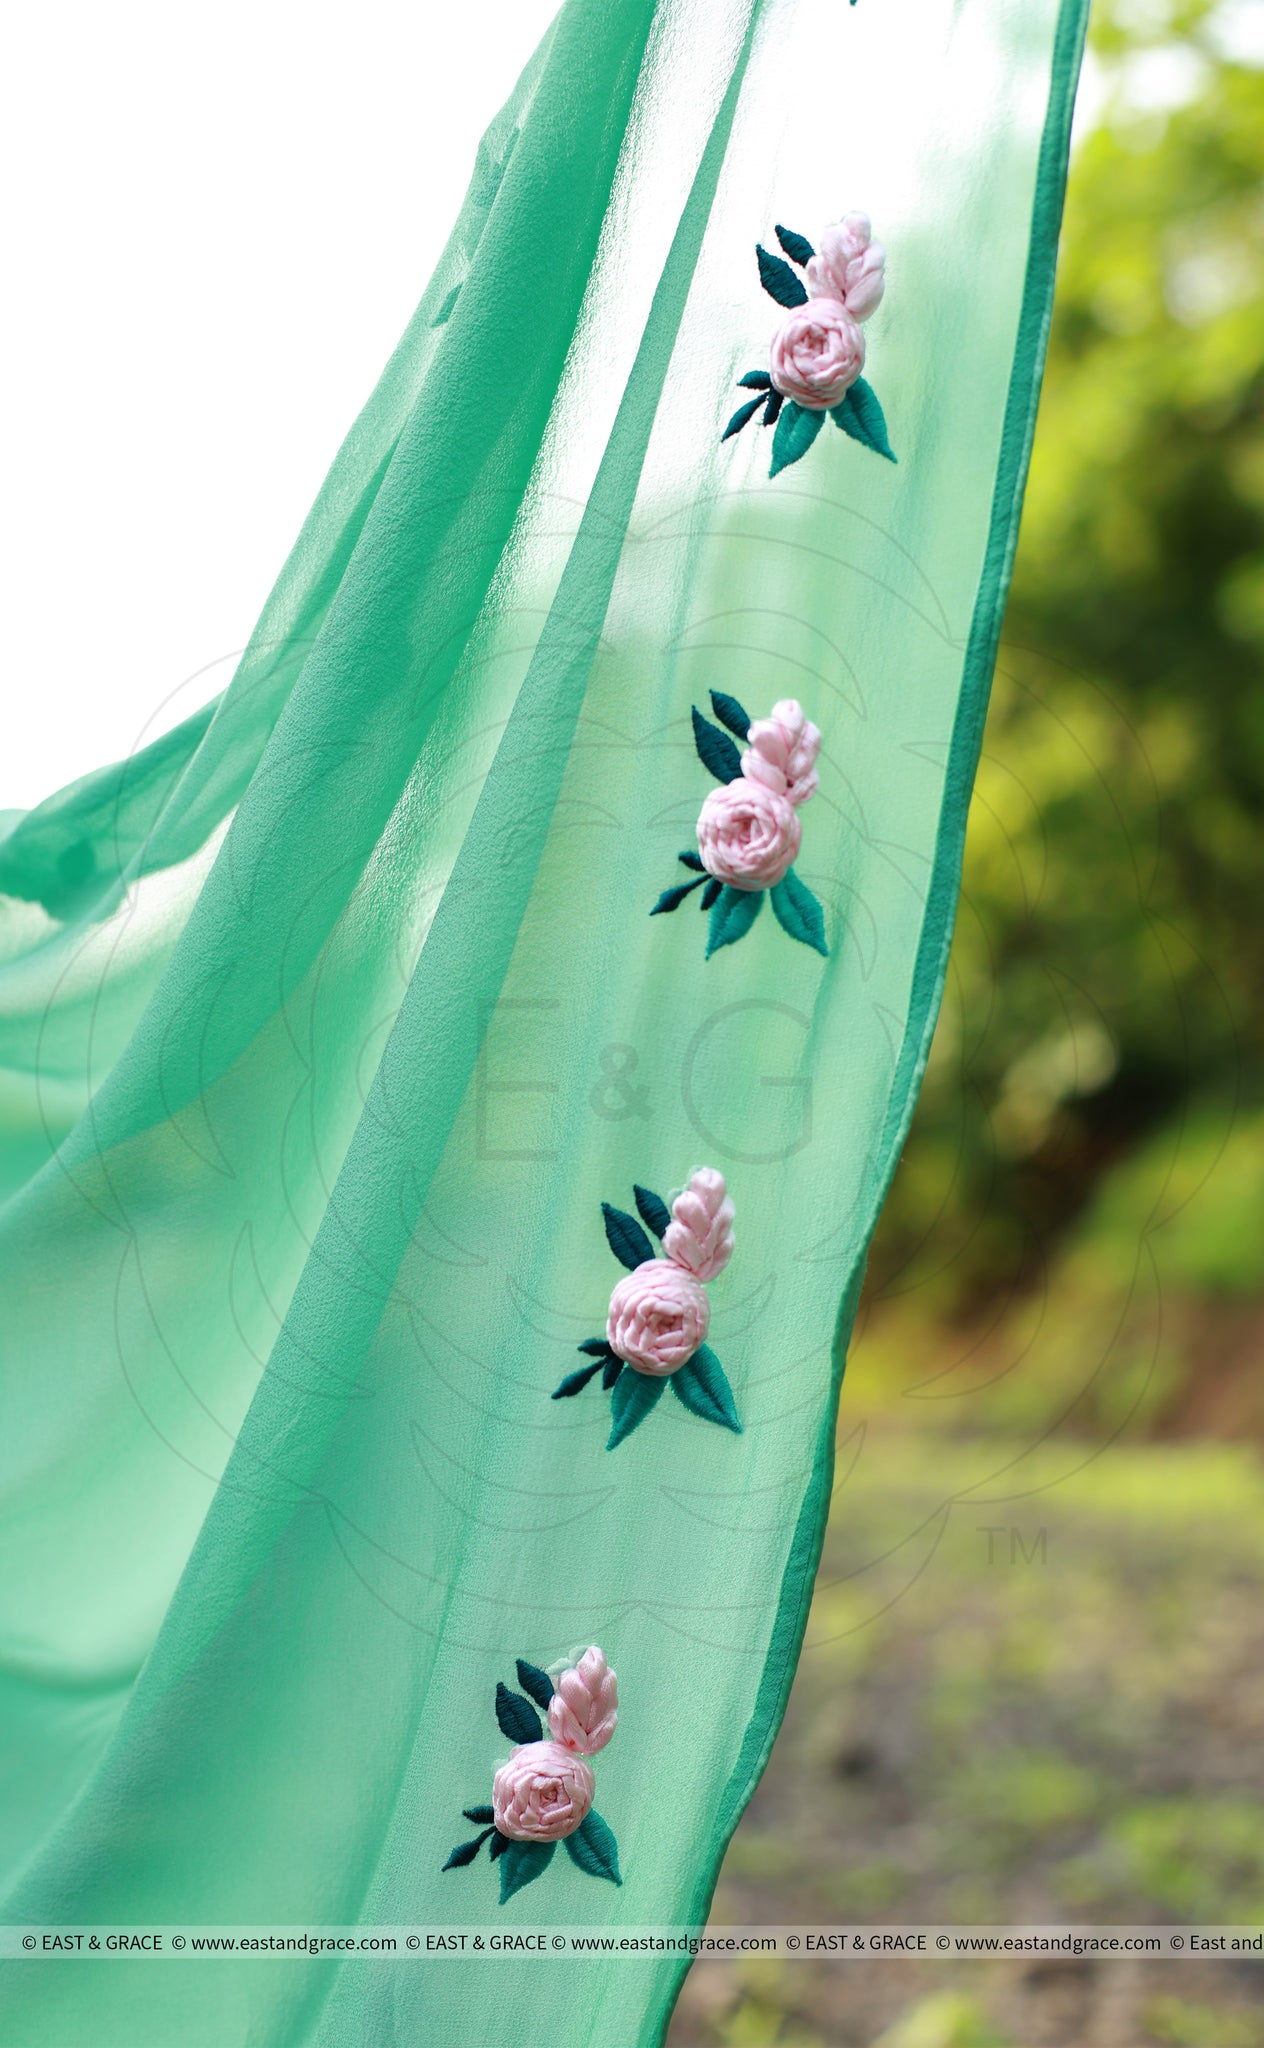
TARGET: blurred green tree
(1106,998)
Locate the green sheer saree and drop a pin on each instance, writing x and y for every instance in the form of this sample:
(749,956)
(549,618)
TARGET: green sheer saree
(327,1022)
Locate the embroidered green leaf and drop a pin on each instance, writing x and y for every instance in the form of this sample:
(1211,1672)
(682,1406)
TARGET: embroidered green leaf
(654,1210)
(755,380)
(730,713)
(734,913)
(635,1393)
(710,893)
(715,749)
(614,1366)
(797,247)
(798,912)
(692,860)
(465,1852)
(480,1815)
(703,1387)
(625,1237)
(517,1718)
(536,1682)
(499,1844)
(778,280)
(594,1848)
(772,411)
(796,430)
(596,1347)
(740,417)
(671,899)
(521,1863)
(862,417)
(575,1382)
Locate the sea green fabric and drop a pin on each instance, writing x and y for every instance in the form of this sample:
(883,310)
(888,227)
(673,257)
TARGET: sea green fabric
(328,1022)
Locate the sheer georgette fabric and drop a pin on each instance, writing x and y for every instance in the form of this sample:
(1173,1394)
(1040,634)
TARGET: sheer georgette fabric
(327,1022)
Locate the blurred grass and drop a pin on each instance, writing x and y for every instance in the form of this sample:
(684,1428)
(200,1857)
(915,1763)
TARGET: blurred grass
(1033,1687)
(1044,1709)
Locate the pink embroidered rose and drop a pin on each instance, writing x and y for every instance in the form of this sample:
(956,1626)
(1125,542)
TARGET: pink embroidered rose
(700,1234)
(748,834)
(817,354)
(849,266)
(658,1317)
(584,1706)
(781,752)
(542,1793)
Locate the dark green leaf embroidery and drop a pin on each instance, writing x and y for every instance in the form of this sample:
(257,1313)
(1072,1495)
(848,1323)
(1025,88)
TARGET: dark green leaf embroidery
(773,412)
(594,1848)
(521,1863)
(596,1347)
(703,1386)
(797,247)
(671,899)
(730,713)
(710,893)
(626,1238)
(796,430)
(734,913)
(595,1851)
(798,912)
(653,1209)
(715,749)
(516,1717)
(536,1682)
(465,1852)
(778,280)
(635,1393)
(692,860)
(755,380)
(614,1366)
(740,417)
(861,416)
(575,1382)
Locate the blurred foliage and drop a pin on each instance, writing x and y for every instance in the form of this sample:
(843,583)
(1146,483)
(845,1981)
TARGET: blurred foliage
(945,2021)
(1096,1093)
(1200,2026)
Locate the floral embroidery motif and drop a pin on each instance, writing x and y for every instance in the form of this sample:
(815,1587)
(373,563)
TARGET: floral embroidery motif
(543,1794)
(749,831)
(659,1314)
(817,354)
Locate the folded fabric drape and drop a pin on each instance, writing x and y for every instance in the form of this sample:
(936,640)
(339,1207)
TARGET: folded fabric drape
(328,1022)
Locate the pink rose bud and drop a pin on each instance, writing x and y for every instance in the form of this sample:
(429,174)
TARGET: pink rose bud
(700,1234)
(817,354)
(658,1317)
(542,1793)
(748,834)
(849,266)
(584,1706)
(781,752)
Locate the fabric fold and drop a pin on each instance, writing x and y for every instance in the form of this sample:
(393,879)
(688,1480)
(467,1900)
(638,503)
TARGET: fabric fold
(357,1016)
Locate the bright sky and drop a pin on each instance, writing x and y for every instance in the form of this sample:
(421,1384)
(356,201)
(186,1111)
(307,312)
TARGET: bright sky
(215,224)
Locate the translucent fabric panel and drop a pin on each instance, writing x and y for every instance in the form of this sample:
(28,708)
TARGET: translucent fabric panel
(327,1024)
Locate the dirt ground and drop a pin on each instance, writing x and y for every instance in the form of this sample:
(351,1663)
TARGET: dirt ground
(1030,1693)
